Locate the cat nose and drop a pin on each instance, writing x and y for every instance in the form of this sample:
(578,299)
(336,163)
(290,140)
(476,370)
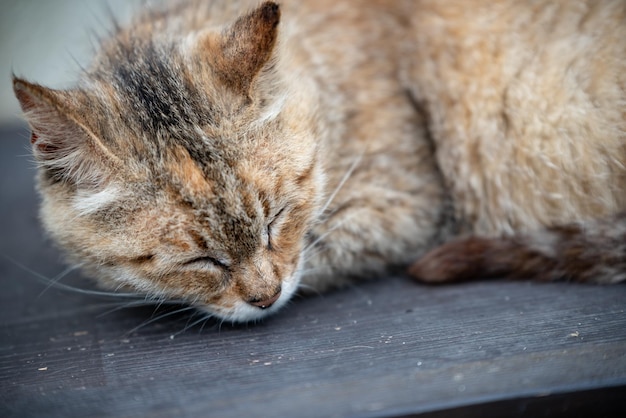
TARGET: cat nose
(266,303)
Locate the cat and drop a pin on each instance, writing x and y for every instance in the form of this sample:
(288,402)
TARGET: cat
(227,154)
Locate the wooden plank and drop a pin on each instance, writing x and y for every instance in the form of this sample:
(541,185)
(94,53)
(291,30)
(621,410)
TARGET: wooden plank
(385,348)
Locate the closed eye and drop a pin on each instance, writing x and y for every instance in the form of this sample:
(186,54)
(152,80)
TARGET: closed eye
(207,261)
(269,228)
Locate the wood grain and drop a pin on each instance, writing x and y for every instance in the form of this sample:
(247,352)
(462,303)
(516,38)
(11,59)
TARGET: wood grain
(385,348)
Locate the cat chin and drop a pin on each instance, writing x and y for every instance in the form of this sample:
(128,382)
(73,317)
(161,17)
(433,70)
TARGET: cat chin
(244,312)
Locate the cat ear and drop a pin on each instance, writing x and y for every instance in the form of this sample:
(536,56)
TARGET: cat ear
(245,47)
(62,144)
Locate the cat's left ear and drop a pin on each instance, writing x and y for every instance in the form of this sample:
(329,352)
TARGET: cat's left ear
(242,49)
(62,141)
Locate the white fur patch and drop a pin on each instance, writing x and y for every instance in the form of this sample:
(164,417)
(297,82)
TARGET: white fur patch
(86,203)
(244,312)
(272,111)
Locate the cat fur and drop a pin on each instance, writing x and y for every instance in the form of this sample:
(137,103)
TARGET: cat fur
(228,153)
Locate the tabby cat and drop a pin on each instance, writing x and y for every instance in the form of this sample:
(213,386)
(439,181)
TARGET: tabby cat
(228,153)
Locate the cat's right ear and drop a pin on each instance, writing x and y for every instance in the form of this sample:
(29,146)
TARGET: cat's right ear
(61,140)
(241,51)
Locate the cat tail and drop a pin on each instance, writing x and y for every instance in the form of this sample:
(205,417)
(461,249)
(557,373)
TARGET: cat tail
(590,252)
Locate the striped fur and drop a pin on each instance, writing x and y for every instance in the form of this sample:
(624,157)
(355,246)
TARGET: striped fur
(226,153)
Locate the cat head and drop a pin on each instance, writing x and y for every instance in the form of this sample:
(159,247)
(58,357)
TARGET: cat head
(180,167)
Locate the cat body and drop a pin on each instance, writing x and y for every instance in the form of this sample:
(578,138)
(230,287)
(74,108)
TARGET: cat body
(226,153)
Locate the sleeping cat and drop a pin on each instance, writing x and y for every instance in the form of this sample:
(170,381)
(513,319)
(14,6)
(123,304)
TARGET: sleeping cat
(229,153)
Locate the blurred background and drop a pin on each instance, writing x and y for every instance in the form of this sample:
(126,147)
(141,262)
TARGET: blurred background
(47,41)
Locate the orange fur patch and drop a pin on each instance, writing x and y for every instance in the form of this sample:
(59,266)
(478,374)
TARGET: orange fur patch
(186,171)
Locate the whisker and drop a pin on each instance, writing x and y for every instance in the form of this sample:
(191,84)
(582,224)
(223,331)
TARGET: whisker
(308,289)
(219,326)
(192,316)
(56,279)
(63,286)
(310,250)
(119,306)
(130,300)
(158,318)
(345,178)
(204,318)
(313,270)
(137,303)
(328,232)
(157,306)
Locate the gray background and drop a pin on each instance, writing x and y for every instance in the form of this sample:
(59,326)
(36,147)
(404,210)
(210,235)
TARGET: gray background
(45,41)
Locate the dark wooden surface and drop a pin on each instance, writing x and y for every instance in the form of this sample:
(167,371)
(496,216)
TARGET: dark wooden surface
(385,348)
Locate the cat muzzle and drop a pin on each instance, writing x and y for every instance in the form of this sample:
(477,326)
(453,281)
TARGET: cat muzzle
(266,303)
